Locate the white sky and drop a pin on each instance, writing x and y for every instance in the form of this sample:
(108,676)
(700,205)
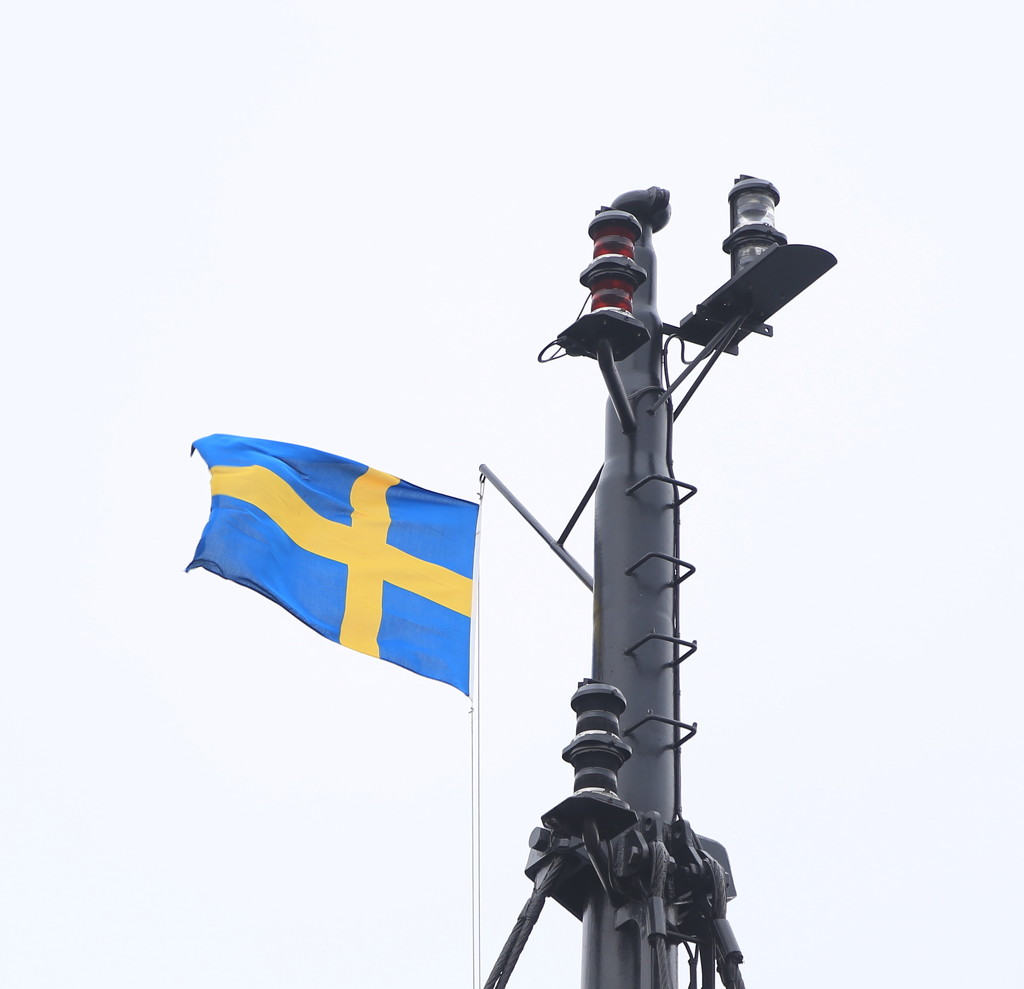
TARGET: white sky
(353,227)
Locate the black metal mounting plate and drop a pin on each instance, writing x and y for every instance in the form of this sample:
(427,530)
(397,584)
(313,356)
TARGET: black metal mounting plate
(756,293)
(577,881)
(626,333)
(611,814)
(701,332)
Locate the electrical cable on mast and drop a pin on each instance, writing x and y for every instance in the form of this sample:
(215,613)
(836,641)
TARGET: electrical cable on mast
(618,853)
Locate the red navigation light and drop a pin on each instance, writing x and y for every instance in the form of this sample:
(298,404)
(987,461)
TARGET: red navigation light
(612,238)
(612,277)
(612,292)
(614,231)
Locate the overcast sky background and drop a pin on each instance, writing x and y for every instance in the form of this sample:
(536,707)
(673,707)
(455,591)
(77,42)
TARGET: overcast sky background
(353,227)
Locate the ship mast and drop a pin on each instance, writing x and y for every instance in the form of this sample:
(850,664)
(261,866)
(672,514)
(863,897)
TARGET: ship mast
(618,853)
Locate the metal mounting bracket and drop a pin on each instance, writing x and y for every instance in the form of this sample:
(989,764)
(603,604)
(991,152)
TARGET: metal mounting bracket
(556,547)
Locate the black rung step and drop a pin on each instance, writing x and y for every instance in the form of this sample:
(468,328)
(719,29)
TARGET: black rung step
(690,568)
(689,488)
(691,647)
(691,730)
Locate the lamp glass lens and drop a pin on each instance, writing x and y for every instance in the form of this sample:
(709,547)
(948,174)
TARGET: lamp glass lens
(750,252)
(753,207)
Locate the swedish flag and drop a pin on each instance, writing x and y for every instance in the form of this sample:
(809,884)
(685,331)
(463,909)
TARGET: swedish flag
(366,559)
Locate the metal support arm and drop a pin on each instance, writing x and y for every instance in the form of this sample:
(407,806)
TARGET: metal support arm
(556,547)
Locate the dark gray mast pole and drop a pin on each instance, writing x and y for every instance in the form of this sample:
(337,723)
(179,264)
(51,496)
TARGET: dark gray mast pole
(617,853)
(630,602)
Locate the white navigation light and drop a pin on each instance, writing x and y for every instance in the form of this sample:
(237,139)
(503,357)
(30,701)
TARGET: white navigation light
(752,205)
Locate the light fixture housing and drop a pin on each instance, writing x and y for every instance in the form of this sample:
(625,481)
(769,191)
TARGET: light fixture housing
(612,277)
(752,203)
(767,271)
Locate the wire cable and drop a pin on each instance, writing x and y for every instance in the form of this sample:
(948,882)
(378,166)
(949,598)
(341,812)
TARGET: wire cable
(474,754)
(659,876)
(711,347)
(545,882)
(677,753)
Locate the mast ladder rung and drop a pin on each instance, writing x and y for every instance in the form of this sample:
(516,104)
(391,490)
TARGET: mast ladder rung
(691,647)
(691,730)
(675,482)
(676,581)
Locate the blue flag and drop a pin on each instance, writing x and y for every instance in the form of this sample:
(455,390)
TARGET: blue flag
(366,559)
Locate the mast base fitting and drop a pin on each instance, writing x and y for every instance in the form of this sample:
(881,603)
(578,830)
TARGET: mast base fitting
(626,333)
(611,814)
